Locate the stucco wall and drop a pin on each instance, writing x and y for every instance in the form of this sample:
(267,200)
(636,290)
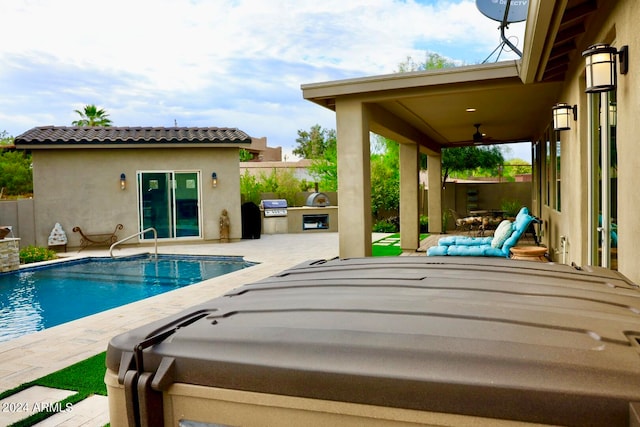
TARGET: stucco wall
(82,188)
(626,15)
(490,196)
(616,24)
(20,216)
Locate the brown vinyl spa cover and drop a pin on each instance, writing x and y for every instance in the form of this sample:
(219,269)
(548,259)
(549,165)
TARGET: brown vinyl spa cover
(497,338)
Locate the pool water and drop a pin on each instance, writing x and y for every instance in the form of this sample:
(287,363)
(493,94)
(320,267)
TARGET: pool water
(38,298)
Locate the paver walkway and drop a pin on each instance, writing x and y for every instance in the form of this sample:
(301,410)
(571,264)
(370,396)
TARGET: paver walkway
(91,412)
(30,401)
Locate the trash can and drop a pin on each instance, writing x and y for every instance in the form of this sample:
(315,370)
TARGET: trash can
(251,221)
(275,216)
(398,341)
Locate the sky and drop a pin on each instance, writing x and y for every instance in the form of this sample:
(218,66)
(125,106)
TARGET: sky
(219,63)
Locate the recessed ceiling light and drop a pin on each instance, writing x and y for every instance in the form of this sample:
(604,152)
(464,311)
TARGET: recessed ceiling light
(471,110)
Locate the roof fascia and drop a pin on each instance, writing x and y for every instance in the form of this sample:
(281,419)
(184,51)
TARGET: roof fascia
(540,32)
(325,93)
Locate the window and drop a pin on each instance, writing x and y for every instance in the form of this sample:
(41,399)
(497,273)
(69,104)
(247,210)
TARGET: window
(558,177)
(548,171)
(552,172)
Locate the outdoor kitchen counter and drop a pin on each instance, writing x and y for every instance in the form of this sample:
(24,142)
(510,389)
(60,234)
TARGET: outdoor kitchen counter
(311,215)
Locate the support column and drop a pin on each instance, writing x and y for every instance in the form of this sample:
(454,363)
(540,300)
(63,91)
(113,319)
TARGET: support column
(409,197)
(354,179)
(434,171)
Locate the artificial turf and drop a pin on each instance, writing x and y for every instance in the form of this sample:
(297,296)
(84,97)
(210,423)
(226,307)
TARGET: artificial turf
(86,377)
(390,249)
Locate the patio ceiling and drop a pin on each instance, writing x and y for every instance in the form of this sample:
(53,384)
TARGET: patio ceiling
(433,104)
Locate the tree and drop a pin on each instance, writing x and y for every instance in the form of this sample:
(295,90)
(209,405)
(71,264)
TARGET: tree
(92,116)
(459,159)
(5,138)
(245,155)
(516,166)
(320,146)
(433,61)
(325,169)
(385,176)
(16,177)
(313,144)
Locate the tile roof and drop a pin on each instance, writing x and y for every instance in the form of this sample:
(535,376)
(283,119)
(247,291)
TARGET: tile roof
(130,135)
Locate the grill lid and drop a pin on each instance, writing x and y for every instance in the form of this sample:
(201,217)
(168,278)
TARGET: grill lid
(274,204)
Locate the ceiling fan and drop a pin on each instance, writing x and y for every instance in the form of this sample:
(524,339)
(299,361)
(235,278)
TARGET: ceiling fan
(478,136)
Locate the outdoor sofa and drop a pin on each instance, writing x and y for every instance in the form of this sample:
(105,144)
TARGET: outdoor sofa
(499,245)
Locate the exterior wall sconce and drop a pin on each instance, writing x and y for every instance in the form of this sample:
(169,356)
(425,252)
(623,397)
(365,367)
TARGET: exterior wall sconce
(600,66)
(123,181)
(562,114)
(214,180)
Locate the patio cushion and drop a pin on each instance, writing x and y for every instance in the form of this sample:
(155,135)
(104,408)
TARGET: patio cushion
(447,241)
(501,234)
(482,246)
(478,250)
(464,241)
(437,250)
(520,225)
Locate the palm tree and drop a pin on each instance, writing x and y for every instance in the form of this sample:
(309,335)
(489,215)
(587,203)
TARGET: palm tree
(92,116)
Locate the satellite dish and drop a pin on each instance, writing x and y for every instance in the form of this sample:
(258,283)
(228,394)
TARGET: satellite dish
(494,9)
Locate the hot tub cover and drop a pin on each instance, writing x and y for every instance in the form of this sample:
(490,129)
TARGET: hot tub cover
(487,337)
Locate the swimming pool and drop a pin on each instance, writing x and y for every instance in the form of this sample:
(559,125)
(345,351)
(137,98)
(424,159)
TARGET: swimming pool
(37,298)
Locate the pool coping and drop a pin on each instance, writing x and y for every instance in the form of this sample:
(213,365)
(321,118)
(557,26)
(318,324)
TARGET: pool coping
(32,356)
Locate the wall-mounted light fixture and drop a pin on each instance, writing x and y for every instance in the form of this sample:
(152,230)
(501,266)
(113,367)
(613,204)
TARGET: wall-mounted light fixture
(214,180)
(562,115)
(600,66)
(123,181)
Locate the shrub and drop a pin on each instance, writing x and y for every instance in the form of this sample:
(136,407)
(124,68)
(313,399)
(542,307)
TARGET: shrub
(36,254)
(250,188)
(424,224)
(510,207)
(385,226)
(282,183)
(446,216)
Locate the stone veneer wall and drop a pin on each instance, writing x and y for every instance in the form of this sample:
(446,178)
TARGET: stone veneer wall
(9,255)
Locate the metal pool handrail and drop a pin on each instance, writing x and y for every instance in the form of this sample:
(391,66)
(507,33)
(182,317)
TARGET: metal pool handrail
(155,240)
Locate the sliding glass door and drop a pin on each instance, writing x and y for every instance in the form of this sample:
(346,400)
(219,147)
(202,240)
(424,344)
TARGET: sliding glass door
(169,201)
(603,183)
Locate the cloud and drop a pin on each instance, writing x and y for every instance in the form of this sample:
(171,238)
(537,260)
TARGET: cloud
(227,63)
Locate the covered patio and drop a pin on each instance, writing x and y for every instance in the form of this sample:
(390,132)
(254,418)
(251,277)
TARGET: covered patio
(425,112)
